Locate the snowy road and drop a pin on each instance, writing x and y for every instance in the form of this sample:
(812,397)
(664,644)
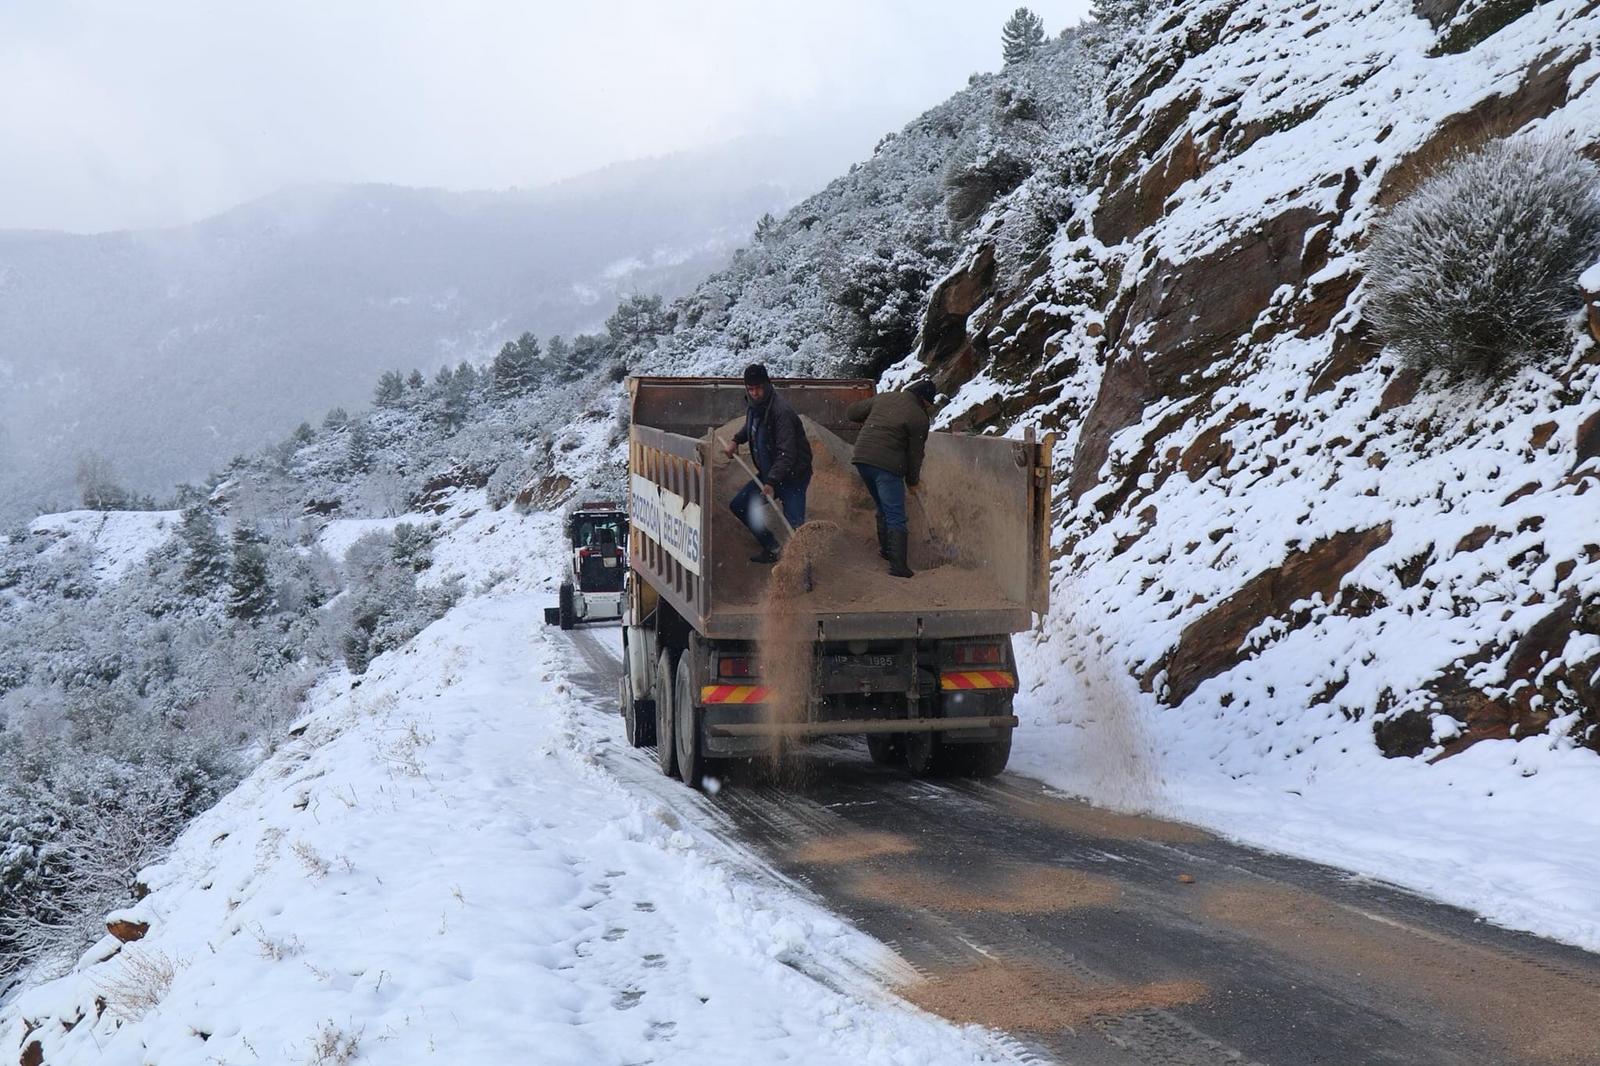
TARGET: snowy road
(1099,938)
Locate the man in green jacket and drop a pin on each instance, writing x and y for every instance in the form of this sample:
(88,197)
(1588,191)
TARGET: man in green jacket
(888,456)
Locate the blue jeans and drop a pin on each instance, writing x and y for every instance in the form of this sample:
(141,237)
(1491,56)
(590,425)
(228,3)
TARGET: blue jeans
(791,496)
(888,492)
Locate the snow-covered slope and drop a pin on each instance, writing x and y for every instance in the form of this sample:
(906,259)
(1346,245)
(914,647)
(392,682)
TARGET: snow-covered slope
(1281,555)
(443,864)
(116,540)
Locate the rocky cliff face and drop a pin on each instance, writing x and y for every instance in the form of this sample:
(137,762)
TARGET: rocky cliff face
(1258,507)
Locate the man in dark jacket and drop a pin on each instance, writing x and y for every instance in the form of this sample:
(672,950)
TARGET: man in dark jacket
(888,455)
(782,457)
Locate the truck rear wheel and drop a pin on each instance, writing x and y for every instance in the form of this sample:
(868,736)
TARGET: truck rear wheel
(981,760)
(686,726)
(887,749)
(666,748)
(568,609)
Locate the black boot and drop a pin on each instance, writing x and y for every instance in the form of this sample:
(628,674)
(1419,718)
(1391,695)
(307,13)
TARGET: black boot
(768,553)
(897,553)
(883,538)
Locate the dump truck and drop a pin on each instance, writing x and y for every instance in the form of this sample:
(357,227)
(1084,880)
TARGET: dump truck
(922,667)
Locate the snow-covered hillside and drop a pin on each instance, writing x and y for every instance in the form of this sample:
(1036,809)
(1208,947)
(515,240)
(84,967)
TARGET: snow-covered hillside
(1282,555)
(1303,595)
(452,859)
(116,540)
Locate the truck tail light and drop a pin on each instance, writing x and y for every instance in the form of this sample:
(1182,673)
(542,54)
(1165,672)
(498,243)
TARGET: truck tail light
(735,666)
(978,655)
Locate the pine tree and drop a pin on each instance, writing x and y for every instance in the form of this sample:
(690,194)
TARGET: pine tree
(415,381)
(1022,33)
(589,352)
(558,353)
(337,418)
(516,368)
(637,322)
(390,389)
(249,589)
(204,561)
(303,433)
(358,447)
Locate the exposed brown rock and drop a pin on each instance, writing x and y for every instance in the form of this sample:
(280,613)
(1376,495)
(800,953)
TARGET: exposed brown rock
(1586,442)
(1138,189)
(944,327)
(1542,434)
(546,492)
(1352,350)
(1543,90)
(1214,642)
(1401,390)
(1475,540)
(1201,307)
(33,1054)
(436,490)
(127,931)
(1315,313)
(1207,451)
(1526,490)
(1593,301)
(1124,390)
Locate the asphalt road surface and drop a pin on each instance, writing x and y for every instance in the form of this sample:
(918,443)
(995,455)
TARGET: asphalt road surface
(1102,939)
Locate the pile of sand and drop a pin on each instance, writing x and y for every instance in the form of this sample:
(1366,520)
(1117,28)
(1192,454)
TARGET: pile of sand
(846,569)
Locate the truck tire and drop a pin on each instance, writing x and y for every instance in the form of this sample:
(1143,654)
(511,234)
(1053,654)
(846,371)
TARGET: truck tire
(981,760)
(686,726)
(666,748)
(638,716)
(887,749)
(568,610)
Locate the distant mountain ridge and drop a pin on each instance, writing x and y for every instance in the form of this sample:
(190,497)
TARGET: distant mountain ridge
(168,351)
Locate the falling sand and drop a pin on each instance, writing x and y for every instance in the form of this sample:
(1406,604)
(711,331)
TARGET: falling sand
(1020,890)
(787,657)
(1038,999)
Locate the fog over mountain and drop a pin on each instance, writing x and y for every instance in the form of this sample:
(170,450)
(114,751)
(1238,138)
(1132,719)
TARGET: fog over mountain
(166,352)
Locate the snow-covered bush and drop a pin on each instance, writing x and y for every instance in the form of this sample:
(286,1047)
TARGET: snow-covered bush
(1476,270)
(384,607)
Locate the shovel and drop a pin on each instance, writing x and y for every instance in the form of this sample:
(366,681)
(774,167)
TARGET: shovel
(772,505)
(943,548)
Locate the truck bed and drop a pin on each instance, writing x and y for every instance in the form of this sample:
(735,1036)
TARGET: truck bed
(987,497)
(853,595)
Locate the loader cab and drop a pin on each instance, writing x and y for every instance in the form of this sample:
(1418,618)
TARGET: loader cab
(591,590)
(597,553)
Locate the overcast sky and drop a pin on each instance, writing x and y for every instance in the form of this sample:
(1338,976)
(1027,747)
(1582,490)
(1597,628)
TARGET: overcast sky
(116,113)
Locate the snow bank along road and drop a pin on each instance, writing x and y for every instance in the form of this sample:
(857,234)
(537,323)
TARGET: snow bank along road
(1099,938)
(433,868)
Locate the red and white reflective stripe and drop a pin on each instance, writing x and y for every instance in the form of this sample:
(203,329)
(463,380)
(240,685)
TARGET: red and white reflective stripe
(735,694)
(961,680)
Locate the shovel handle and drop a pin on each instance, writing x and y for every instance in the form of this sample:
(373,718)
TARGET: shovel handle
(757,479)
